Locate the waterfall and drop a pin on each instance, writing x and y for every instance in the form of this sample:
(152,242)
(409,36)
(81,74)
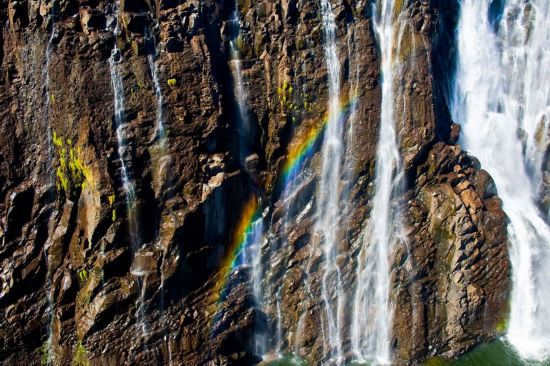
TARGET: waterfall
(243,126)
(47,102)
(328,196)
(257,240)
(161,134)
(161,140)
(123,152)
(502,102)
(118,92)
(372,308)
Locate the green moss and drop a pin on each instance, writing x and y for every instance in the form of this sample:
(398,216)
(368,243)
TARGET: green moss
(57,141)
(45,353)
(80,355)
(82,275)
(502,326)
(172,82)
(72,173)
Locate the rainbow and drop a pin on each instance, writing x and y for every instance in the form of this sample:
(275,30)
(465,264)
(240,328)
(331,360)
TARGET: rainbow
(302,146)
(238,243)
(299,150)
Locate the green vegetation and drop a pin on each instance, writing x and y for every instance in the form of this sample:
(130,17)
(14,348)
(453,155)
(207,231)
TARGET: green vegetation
(82,276)
(72,174)
(502,326)
(111,199)
(292,102)
(172,82)
(45,353)
(284,92)
(80,355)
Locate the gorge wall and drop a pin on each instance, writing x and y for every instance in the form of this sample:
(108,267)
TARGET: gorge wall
(90,277)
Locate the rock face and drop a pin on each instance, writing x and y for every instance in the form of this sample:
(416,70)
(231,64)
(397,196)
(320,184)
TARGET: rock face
(88,279)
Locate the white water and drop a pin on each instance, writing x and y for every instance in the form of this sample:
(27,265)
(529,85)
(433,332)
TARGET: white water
(118,92)
(50,356)
(161,134)
(161,140)
(503,83)
(372,308)
(243,126)
(257,240)
(328,195)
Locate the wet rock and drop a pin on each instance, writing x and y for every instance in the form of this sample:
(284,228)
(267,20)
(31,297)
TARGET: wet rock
(106,255)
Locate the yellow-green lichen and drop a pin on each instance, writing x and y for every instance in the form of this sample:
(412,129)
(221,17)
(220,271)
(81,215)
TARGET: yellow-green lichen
(57,141)
(502,326)
(111,199)
(46,353)
(72,173)
(82,275)
(80,355)
(172,82)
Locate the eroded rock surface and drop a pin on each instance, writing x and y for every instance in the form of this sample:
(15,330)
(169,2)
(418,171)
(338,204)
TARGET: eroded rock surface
(87,279)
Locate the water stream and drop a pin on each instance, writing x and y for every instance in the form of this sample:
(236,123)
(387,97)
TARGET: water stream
(118,92)
(49,354)
(124,153)
(372,309)
(502,101)
(242,118)
(164,156)
(151,59)
(328,195)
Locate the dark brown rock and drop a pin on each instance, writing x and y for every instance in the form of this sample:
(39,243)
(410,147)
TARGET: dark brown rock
(80,263)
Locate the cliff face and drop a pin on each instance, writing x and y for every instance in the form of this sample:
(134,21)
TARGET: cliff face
(88,276)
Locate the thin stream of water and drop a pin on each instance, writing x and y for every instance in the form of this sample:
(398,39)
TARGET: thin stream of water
(328,195)
(372,308)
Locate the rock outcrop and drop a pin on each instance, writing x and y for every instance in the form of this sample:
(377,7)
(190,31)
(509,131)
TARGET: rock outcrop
(88,279)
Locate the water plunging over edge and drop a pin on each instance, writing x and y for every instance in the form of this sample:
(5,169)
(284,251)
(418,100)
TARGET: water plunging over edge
(328,195)
(161,140)
(243,126)
(502,94)
(118,92)
(50,356)
(151,59)
(372,308)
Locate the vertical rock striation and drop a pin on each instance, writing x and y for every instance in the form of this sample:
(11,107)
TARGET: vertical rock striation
(73,235)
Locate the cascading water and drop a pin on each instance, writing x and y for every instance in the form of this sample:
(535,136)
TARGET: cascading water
(243,126)
(502,102)
(254,259)
(47,102)
(161,134)
(161,140)
(328,196)
(118,92)
(372,308)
